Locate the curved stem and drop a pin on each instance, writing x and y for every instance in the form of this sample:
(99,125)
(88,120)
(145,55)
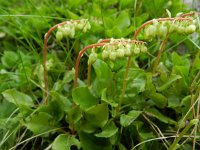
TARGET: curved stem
(190,14)
(159,54)
(101,43)
(46,37)
(79,58)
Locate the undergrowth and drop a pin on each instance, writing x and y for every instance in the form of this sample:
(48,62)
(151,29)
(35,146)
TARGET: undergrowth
(106,75)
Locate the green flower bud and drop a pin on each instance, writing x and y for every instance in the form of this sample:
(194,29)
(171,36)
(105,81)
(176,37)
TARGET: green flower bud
(162,31)
(120,52)
(172,28)
(59,35)
(127,51)
(72,32)
(66,31)
(105,54)
(150,31)
(136,50)
(79,26)
(181,29)
(143,48)
(92,58)
(190,29)
(113,55)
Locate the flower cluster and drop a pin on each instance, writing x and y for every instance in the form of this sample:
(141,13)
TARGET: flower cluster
(119,48)
(68,30)
(176,26)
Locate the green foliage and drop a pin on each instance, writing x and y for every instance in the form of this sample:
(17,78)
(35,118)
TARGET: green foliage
(156,105)
(18,98)
(64,142)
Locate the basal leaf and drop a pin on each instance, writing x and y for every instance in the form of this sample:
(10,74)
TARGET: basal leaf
(135,84)
(91,142)
(18,98)
(40,122)
(5,112)
(73,115)
(64,142)
(169,82)
(83,97)
(159,99)
(109,130)
(103,77)
(173,101)
(155,113)
(123,20)
(108,100)
(126,120)
(55,108)
(9,59)
(97,115)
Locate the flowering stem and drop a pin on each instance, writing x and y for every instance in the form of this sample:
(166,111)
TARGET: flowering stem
(159,20)
(46,37)
(79,58)
(157,60)
(190,14)
(124,84)
(89,73)
(101,43)
(159,53)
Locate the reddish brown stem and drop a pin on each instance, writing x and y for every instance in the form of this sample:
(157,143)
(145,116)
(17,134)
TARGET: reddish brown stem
(46,37)
(159,53)
(125,40)
(134,39)
(101,43)
(190,14)
(79,58)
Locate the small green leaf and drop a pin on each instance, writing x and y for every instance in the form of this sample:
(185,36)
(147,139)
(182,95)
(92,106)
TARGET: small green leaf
(64,142)
(83,97)
(18,98)
(123,20)
(135,84)
(97,115)
(5,112)
(55,108)
(168,13)
(107,100)
(9,59)
(103,77)
(173,101)
(126,120)
(40,122)
(169,82)
(91,142)
(155,113)
(72,15)
(109,130)
(62,100)
(69,76)
(159,99)
(73,115)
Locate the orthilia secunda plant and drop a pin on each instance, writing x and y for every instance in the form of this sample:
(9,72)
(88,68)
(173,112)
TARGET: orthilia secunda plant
(110,49)
(161,28)
(65,29)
